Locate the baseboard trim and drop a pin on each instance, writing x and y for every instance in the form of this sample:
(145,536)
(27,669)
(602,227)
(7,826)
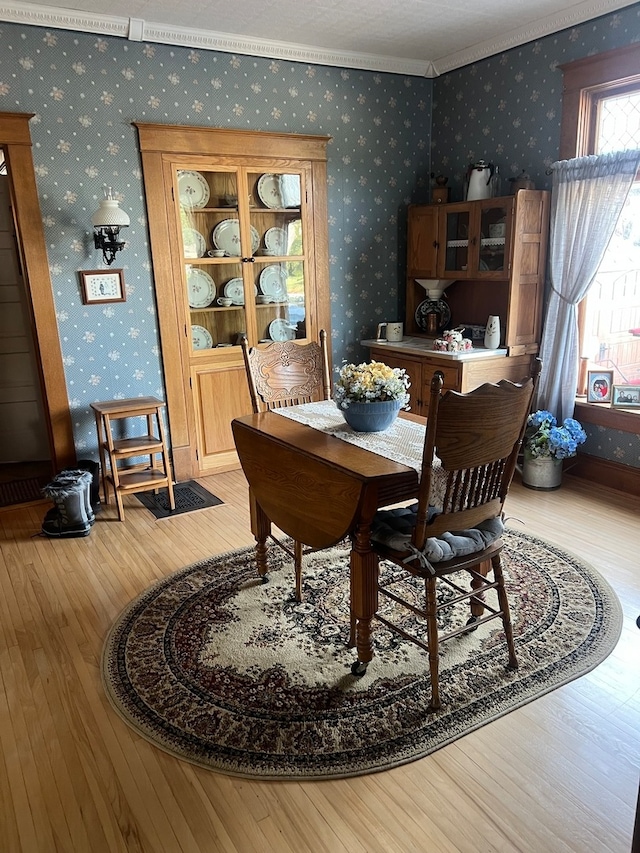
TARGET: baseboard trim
(623,478)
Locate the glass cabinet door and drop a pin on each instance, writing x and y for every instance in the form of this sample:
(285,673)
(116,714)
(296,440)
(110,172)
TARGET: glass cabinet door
(493,237)
(212,253)
(456,231)
(244,251)
(279,268)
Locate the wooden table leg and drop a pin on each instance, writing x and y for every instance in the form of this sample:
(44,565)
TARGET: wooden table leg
(261,529)
(364,592)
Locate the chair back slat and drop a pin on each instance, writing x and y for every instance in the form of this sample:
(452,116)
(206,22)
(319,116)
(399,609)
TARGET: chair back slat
(476,438)
(287,373)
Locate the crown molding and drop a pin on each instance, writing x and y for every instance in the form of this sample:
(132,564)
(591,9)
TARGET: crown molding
(138,30)
(135,29)
(572,17)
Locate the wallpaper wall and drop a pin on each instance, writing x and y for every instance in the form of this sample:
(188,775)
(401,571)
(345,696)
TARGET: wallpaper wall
(86,90)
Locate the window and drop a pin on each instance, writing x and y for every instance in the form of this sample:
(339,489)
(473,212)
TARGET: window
(601,113)
(610,317)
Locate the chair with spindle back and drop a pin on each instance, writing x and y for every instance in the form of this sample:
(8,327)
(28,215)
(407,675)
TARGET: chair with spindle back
(287,373)
(472,442)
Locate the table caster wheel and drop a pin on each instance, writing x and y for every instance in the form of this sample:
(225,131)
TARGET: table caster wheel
(358,668)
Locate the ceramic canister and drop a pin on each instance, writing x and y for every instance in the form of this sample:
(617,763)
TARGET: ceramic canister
(492,332)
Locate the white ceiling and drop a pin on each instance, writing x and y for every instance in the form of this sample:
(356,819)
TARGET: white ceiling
(414,37)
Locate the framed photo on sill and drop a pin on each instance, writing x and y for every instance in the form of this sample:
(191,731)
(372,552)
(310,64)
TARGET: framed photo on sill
(102,286)
(599,385)
(626,396)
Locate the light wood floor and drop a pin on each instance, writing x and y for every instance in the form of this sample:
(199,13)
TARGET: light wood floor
(558,775)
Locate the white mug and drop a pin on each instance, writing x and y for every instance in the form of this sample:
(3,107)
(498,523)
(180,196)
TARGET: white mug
(393,332)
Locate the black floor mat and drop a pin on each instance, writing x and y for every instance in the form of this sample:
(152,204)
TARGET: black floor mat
(188,496)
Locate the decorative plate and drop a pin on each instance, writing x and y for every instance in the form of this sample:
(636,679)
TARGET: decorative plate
(234,290)
(290,190)
(433,306)
(273,282)
(281,330)
(275,241)
(201,288)
(195,246)
(201,338)
(269,191)
(193,189)
(226,235)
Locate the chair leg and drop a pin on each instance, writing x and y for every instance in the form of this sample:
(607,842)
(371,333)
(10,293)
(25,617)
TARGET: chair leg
(504,607)
(297,562)
(432,641)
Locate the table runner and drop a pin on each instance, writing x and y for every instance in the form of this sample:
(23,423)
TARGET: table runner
(402,442)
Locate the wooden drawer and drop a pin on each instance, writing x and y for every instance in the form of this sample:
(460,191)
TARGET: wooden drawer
(451,373)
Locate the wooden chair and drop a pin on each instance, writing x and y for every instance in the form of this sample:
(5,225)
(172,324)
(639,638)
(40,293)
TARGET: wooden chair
(474,439)
(288,374)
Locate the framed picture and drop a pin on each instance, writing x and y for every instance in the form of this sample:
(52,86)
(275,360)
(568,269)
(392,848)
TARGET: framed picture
(626,396)
(102,286)
(599,385)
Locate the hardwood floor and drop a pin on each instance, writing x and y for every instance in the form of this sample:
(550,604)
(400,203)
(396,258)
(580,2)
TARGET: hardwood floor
(559,775)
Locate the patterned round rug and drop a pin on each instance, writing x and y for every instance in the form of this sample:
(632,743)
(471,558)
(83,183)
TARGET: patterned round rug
(231,674)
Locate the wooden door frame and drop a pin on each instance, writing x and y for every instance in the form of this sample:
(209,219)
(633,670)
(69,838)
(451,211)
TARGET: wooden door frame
(15,139)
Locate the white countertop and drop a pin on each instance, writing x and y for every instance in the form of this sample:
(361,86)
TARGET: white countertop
(424,346)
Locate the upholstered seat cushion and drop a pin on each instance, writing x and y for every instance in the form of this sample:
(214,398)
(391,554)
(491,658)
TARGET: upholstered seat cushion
(393,528)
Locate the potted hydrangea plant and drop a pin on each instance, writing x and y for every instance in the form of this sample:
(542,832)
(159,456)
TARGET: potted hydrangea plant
(370,395)
(546,444)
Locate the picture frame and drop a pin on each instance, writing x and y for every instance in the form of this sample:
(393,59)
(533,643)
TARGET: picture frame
(599,386)
(626,397)
(99,286)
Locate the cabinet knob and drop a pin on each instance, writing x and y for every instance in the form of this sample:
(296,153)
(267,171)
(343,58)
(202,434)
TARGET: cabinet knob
(436,245)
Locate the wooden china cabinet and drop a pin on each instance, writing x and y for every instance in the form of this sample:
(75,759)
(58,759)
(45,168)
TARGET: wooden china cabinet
(465,262)
(238,228)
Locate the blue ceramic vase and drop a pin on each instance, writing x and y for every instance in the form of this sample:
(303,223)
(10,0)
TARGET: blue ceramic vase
(375,416)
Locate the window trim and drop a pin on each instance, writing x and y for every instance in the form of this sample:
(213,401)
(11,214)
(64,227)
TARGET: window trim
(585,82)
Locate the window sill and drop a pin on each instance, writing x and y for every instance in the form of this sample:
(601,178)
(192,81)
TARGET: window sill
(601,414)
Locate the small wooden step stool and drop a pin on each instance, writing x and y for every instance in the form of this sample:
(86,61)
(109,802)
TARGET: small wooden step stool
(137,478)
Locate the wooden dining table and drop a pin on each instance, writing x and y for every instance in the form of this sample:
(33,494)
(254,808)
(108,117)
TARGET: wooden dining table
(319,489)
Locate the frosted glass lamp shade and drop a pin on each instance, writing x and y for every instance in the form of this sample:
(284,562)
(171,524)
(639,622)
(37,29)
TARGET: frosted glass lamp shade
(107,222)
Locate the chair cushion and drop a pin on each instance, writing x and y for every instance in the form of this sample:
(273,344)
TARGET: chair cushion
(393,528)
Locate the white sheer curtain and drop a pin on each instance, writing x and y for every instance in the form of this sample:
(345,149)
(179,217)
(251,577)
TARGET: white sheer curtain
(587,198)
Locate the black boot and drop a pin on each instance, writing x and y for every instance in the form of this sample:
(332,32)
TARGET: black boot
(94,469)
(69,516)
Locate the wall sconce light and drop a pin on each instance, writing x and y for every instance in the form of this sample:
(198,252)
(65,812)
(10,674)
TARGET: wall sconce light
(107,222)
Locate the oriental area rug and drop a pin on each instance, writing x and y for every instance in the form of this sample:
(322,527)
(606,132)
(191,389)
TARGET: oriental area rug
(231,674)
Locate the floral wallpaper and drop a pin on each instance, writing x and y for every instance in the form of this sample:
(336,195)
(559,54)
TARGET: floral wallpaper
(388,133)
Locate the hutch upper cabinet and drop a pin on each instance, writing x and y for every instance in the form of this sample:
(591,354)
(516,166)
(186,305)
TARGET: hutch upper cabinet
(238,229)
(493,253)
(467,261)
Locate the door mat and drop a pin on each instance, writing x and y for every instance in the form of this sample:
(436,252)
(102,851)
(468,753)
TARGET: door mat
(188,496)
